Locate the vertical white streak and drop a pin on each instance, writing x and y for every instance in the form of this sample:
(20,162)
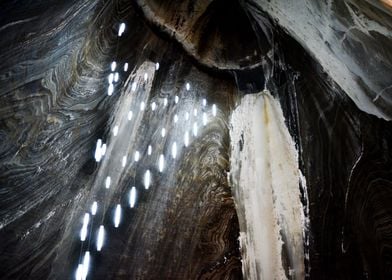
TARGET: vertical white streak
(195,128)
(163,132)
(186,116)
(214,110)
(147,179)
(113,66)
(115,130)
(121,29)
(124,161)
(204,102)
(195,112)
(157,66)
(265,181)
(130,114)
(107,182)
(188,86)
(174,150)
(98,151)
(204,119)
(153,106)
(126,67)
(117,216)
(149,150)
(176,99)
(100,238)
(134,85)
(103,149)
(165,101)
(110,89)
(86,264)
(137,156)
(79,272)
(132,197)
(116,77)
(110,78)
(142,106)
(145,76)
(94,208)
(161,163)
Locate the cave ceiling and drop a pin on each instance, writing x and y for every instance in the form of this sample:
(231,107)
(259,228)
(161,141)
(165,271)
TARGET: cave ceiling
(244,139)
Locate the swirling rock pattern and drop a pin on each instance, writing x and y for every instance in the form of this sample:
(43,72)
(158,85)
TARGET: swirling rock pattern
(55,58)
(55,106)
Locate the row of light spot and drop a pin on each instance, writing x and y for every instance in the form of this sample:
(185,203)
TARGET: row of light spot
(100,151)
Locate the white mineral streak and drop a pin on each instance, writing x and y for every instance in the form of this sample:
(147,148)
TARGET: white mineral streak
(265,181)
(302,20)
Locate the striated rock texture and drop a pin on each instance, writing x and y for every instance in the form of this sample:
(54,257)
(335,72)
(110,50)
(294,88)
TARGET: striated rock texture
(326,63)
(265,180)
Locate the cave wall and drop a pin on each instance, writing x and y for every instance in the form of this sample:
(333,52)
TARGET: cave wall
(54,106)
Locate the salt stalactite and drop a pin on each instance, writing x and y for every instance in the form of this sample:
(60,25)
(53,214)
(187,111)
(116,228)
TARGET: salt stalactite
(265,181)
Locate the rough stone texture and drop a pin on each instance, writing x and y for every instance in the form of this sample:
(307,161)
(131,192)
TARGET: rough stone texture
(331,72)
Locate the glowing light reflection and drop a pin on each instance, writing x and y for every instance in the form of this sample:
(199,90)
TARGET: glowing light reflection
(100,238)
(174,150)
(214,110)
(116,77)
(176,99)
(132,197)
(163,132)
(195,128)
(186,138)
(110,89)
(188,86)
(117,216)
(121,29)
(126,67)
(157,66)
(149,150)
(153,106)
(113,66)
(108,182)
(133,86)
(147,179)
(115,130)
(130,114)
(124,161)
(204,119)
(94,208)
(137,156)
(161,163)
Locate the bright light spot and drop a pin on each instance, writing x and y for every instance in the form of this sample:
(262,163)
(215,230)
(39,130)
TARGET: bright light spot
(142,106)
(115,130)
(121,29)
(110,89)
(188,86)
(153,106)
(195,129)
(86,264)
(161,163)
(125,66)
(132,197)
(195,112)
(176,99)
(83,231)
(137,156)
(175,118)
(149,150)
(134,86)
(165,101)
(98,151)
(113,66)
(116,77)
(204,119)
(130,114)
(103,149)
(163,132)
(110,78)
(107,182)
(79,272)
(94,208)
(186,138)
(86,219)
(204,102)
(174,150)
(186,116)
(145,76)
(147,179)
(124,161)
(117,216)
(100,238)
(214,110)
(157,66)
